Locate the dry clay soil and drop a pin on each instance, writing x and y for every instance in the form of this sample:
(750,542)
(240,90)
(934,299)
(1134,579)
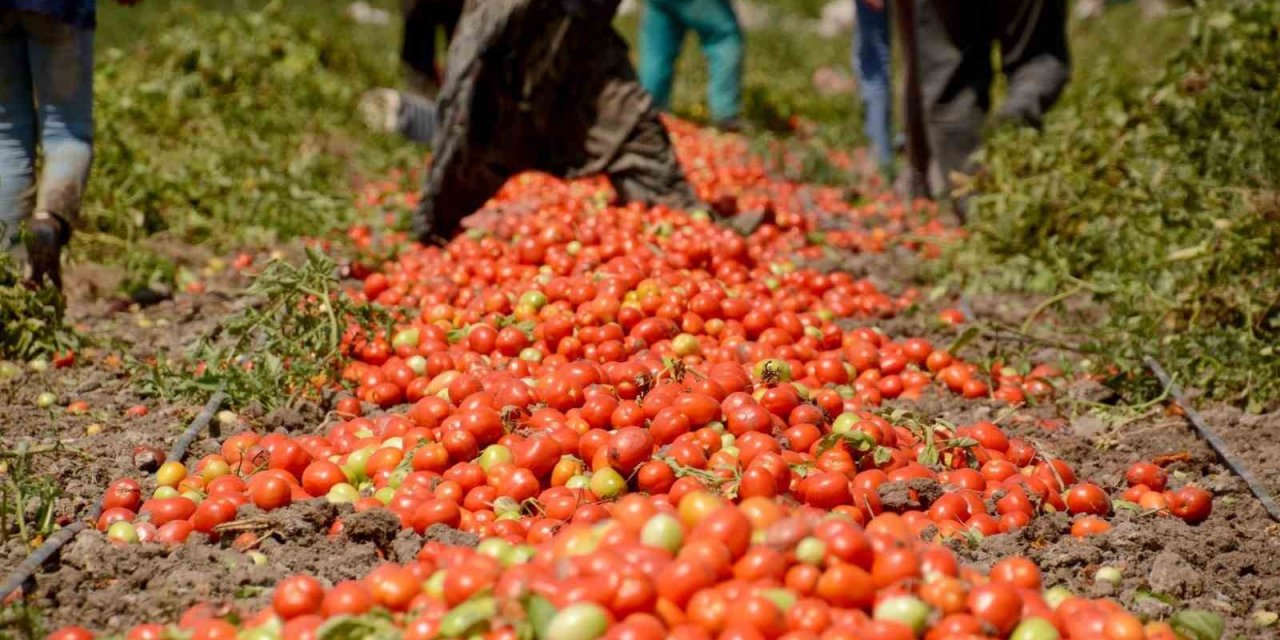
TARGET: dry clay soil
(1227,564)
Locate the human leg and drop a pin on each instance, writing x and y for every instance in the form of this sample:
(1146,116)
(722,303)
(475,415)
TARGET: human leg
(62,74)
(721,38)
(871,64)
(1034,56)
(418,47)
(17,129)
(954,50)
(661,36)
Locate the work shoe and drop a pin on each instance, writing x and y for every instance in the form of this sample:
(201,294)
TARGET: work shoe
(391,111)
(380,109)
(45,237)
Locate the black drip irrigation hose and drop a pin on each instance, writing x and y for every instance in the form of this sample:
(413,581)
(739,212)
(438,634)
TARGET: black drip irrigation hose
(179,448)
(1215,442)
(36,558)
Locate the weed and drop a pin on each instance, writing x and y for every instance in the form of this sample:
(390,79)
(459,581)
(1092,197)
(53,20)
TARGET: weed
(1157,202)
(21,621)
(278,352)
(229,123)
(27,499)
(31,322)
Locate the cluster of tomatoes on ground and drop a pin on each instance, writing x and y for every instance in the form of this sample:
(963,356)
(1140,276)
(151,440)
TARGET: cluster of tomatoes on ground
(697,568)
(574,356)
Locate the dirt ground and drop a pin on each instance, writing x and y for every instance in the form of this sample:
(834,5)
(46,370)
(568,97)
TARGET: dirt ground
(1226,564)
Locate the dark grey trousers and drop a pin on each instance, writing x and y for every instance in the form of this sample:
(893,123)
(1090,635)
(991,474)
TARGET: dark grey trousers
(955,38)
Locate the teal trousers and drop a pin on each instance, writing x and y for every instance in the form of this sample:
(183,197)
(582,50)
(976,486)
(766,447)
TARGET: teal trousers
(663,26)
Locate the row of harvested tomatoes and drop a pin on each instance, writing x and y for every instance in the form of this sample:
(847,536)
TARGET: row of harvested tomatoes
(578,364)
(501,458)
(695,568)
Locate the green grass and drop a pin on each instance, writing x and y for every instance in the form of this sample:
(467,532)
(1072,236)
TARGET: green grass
(230,123)
(1153,193)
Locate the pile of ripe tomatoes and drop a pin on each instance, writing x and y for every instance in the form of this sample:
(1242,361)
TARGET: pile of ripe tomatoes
(699,568)
(591,388)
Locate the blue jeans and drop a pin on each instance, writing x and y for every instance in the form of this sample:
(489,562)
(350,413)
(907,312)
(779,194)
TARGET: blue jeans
(662,29)
(871,65)
(46,98)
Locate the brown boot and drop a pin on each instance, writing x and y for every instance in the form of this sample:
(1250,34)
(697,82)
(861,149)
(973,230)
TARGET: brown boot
(46,235)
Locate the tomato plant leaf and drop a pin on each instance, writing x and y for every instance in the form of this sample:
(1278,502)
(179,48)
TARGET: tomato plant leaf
(1143,594)
(963,339)
(882,455)
(469,617)
(857,440)
(1197,624)
(370,626)
(928,456)
(1125,505)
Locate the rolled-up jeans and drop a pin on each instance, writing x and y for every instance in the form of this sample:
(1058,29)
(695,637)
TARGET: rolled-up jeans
(417,118)
(46,101)
(871,66)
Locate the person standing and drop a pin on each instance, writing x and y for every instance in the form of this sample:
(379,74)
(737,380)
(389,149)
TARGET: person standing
(954,49)
(662,29)
(872,60)
(46,103)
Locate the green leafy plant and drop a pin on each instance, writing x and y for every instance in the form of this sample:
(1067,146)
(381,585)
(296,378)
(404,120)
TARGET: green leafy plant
(19,620)
(230,123)
(31,321)
(1159,203)
(28,500)
(284,349)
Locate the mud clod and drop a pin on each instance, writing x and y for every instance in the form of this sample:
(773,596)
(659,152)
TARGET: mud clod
(1171,574)
(284,418)
(450,536)
(377,526)
(917,493)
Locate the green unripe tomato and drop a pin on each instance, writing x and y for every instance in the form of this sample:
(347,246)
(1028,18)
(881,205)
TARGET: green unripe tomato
(780,369)
(342,493)
(406,338)
(908,610)
(685,345)
(581,621)
(122,531)
(495,454)
(662,531)
(811,550)
(533,298)
(608,483)
(1035,629)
